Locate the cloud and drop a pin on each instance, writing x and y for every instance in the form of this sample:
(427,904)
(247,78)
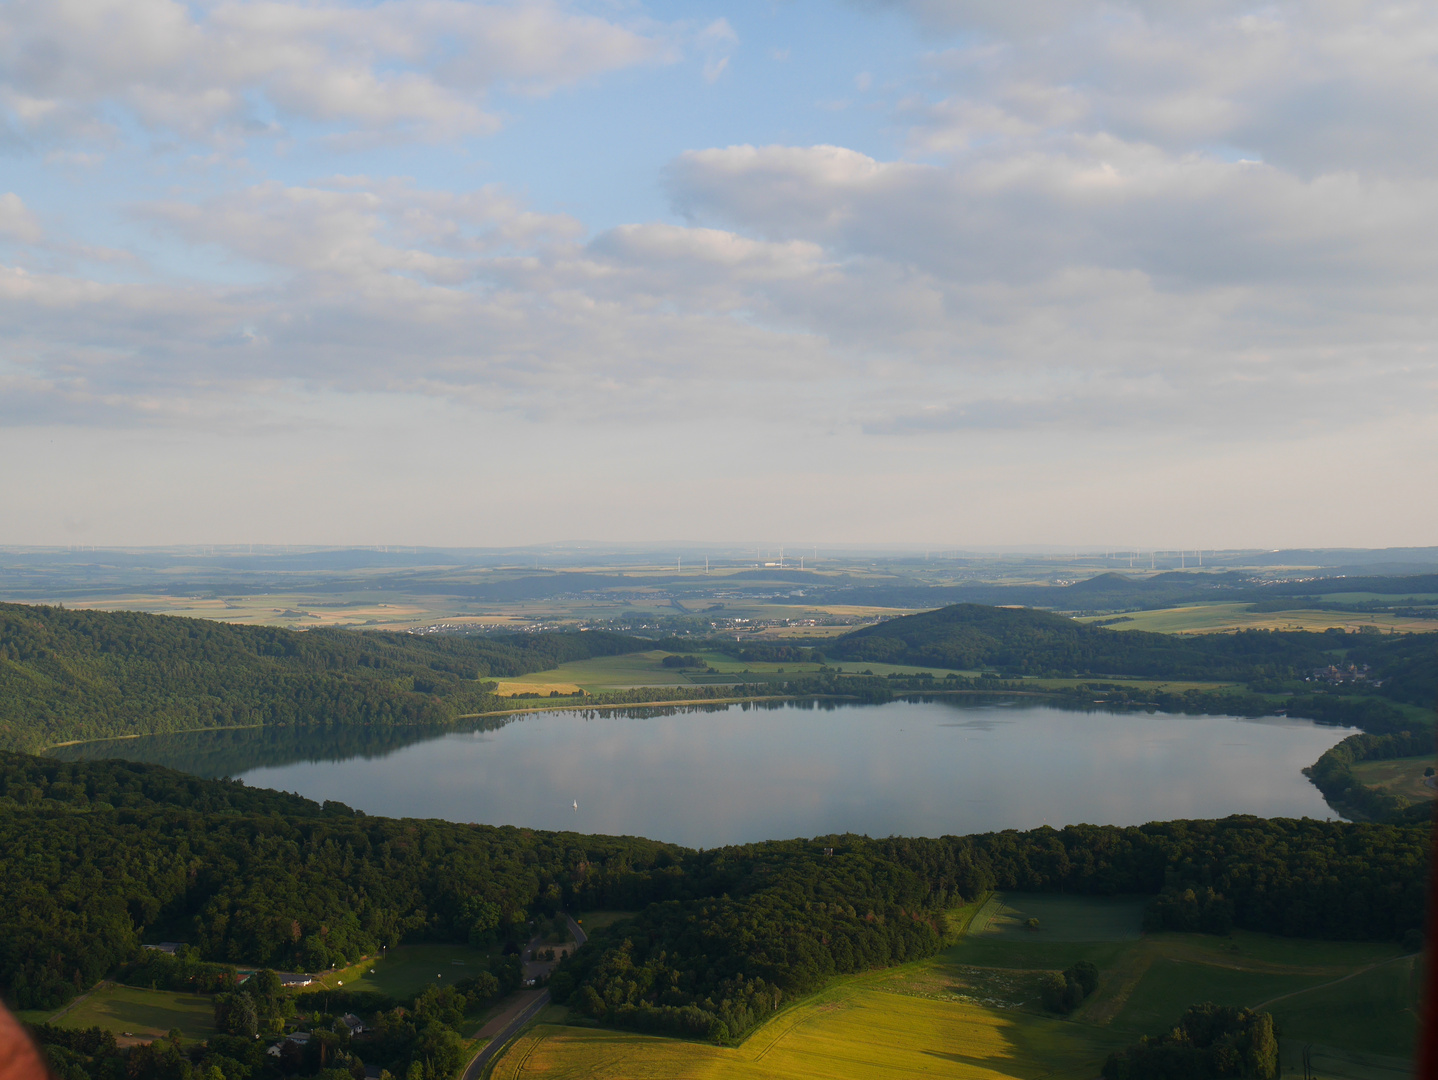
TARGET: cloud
(16,220)
(223,68)
(1051,253)
(1310,88)
(716,41)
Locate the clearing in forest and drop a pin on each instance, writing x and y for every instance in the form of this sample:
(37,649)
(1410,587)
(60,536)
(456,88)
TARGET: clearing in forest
(974,1010)
(145,1014)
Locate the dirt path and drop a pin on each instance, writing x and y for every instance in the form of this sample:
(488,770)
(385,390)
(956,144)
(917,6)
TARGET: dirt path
(1335,982)
(83,997)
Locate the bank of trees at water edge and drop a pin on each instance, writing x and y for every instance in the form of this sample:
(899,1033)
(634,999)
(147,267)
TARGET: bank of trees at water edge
(100,854)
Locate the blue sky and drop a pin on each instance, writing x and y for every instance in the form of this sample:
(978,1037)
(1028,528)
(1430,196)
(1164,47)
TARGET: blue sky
(922,271)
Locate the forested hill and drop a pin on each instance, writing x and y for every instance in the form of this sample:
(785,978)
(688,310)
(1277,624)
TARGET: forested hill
(67,675)
(1028,642)
(97,856)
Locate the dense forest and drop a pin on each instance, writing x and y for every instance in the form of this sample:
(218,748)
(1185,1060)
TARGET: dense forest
(68,675)
(1209,1042)
(1027,642)
(101,854)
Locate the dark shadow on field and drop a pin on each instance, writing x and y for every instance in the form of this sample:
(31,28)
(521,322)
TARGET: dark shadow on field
(120,1014)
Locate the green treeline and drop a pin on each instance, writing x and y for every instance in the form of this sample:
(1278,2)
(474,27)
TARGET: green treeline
(75,675)
(1332,774)
(67,675)
(1027,642)
(98,854)
(1208,1043)
(765,923)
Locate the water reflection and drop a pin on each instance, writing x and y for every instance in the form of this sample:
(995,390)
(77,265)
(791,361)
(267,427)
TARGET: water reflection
(735,773)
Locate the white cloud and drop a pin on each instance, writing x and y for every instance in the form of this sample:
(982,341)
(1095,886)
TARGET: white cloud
(218,68)
(16,220)
(716,41)
(1311,88)
(1104,230)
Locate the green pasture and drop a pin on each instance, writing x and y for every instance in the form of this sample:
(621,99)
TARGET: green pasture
(1401,776)
(143,1013)
(591,921)
(974,1009)
(1373,1011)
(405,970)
(1062,918)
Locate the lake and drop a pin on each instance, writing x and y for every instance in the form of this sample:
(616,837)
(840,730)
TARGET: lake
(732,774)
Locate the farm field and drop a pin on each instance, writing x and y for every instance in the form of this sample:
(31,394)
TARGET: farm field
(974,1011)
(405,970)
(1402,776)
(606,673)
(1060,918)
(389,609)
(146,1014)
(1206,618)
(852,1031)
(647,669)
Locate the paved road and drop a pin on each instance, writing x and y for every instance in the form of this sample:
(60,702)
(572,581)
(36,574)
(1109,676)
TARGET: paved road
(511,1029)
(580,937)
(501,1038)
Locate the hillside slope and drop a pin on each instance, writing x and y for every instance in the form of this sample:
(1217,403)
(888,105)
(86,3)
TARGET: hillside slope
(67,675)
(1029,642)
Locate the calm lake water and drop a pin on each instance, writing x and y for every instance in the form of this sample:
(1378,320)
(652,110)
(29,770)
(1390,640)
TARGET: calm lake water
(734,774)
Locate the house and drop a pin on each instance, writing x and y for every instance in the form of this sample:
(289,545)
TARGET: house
(299,1038)
(354,1023)
(168,947)
(292,978)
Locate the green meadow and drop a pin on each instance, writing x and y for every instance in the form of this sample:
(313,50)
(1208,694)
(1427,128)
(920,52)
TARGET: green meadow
(973,1010)
(405,970)
(145,1014)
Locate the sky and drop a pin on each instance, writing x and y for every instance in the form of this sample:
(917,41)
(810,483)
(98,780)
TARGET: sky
(1147,274)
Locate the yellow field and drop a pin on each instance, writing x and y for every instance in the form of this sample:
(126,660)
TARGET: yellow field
(851,1032)
(973,1010)
(530,685)
(303,612)
(1205,618)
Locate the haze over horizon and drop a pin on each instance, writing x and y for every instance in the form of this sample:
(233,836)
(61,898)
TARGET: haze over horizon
(491,274)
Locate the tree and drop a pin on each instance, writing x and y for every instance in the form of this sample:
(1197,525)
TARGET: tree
(235,1014)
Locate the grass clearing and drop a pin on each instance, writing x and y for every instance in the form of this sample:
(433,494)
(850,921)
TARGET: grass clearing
(405,970)
(146,1014)
(1401,776)
(1066,918)
(973,1010)
(1374,1011)
(591,921)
